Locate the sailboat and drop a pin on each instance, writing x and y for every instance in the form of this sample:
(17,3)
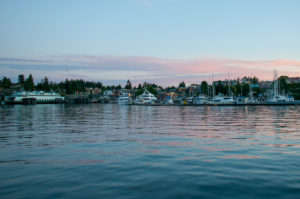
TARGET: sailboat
(276,97)
(221,99)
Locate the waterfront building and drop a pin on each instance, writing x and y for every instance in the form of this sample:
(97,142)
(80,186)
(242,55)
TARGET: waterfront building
(293,80)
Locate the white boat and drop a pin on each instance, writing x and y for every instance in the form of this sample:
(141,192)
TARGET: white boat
(245,100)
(168,100)
(281,99)
(220,99)
(145,98)
(201,99)
(125,98)
(35,97)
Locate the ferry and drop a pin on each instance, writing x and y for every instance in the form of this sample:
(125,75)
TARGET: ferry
(35,97)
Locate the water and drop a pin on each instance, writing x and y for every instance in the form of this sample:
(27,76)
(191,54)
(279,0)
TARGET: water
(111,151)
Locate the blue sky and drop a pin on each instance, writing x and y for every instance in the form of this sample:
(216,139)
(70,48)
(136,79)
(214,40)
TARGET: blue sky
(173,30)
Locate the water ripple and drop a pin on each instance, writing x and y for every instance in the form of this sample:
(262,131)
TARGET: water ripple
(112,151)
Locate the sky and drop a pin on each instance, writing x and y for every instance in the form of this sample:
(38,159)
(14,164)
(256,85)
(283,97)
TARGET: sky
(160,41)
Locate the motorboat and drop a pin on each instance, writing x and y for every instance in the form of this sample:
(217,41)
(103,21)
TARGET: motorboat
(201,99)
(168,100)
(125,98)
(220,99)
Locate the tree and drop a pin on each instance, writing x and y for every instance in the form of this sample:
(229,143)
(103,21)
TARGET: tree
(46,86)
(29,84)
(6,83)
(128,85)
(254,80)
(284,87)
(204,87)
(238,89)
(220,88)
(181,84)
(21,79)
(119,87)
(67,87)
(140,86)
(245,89)
(152,90)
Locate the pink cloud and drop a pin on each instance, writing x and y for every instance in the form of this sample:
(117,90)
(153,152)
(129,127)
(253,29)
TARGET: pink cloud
(151,69)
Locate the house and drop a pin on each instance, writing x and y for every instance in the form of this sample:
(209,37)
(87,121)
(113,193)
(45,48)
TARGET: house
(293,80)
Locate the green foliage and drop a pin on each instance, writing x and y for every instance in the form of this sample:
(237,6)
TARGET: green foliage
(220,88)
(284,87)
(139,92)
(119,87)
(233,90)
(256,91)
(204,87)
(21,79)
(254,80)
(152,90)
(6,83)
(238,89)
(294,89)
(29,83)
(181,84)
(46,86)
(245,89)
(128,85)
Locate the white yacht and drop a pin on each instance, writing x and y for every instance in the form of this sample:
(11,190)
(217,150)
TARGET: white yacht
(245,100)
(145,98)
(281,99)
(35,97)
(125,98)
(220,99)
(201,99)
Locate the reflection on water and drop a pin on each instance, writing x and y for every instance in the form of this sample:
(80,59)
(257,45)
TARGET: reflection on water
(104,150)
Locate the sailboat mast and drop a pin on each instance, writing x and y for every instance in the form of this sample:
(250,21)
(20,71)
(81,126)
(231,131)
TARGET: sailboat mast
(228,85)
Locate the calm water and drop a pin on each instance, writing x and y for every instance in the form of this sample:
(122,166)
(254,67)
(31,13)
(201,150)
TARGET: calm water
(112,151)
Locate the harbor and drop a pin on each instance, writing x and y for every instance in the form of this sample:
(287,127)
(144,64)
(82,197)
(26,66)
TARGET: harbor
(247,91)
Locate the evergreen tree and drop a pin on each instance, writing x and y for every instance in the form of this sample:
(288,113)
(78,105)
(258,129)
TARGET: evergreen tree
(204,87)
(254,80)
(128,85)
(6,83)
(284,87)
(21,79)
(139,87)
(46,86)
(181,84)
(246,89)
(29,84)
(119,87)
(220,88)
(67,87)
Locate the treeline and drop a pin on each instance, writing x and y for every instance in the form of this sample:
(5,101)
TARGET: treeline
(63,87)
(70,86)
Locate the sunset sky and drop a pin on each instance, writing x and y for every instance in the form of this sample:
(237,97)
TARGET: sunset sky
(160,41)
